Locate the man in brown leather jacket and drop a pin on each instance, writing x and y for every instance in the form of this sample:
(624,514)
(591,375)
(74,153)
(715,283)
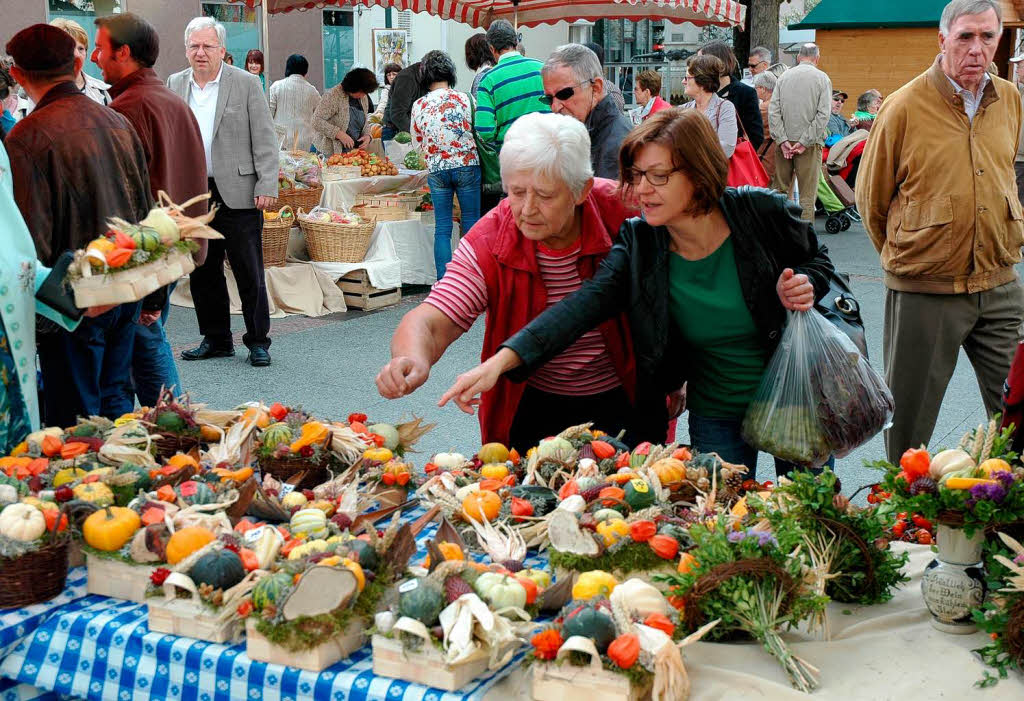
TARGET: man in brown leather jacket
(75,165)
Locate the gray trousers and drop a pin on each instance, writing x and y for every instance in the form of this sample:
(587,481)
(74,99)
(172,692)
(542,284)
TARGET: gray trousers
(922,339)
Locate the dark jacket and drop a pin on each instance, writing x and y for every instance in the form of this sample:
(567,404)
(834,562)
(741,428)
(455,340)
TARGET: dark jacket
(748,109)
(768,236)
(608,127)
(405,90)
(75,164)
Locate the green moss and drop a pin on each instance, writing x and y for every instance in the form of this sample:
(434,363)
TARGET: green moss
(118,556)
(632,557)
(310,631)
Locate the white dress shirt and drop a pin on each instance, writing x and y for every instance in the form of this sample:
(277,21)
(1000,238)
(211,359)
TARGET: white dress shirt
(971,100)
(203,103)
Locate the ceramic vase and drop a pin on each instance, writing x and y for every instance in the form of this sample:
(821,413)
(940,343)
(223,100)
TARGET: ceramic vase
(954,582)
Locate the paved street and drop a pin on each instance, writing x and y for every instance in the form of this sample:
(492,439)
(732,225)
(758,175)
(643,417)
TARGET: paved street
(328,365)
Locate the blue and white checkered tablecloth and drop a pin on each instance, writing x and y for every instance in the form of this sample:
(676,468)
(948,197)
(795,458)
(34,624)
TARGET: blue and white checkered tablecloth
(102,648)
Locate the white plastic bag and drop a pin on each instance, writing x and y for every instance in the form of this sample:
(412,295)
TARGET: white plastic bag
(819,396)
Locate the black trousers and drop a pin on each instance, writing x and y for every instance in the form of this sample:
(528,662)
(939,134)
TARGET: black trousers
(243,245)
(541,414)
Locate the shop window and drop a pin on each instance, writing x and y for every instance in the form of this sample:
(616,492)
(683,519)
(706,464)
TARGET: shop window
(243,28)
(339,45)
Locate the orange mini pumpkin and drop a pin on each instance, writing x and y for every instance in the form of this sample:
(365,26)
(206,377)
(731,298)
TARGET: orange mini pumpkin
(186,541)
(482,505)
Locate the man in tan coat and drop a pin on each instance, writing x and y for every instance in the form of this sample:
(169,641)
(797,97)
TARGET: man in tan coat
(939,202)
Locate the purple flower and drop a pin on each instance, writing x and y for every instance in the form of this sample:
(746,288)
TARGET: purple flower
(993,491)
(1019,560)
(763,537)
(1005,478)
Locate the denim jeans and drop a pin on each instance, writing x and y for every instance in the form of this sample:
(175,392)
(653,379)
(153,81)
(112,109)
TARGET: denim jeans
(444,185)
(723,436)
(152,359)
(87,372)
(387,134)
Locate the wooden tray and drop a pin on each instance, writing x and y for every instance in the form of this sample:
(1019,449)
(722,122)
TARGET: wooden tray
(189,618)
(360,294)
(391,659)
(317,659)
(560,682)
(118,580)
(131,285)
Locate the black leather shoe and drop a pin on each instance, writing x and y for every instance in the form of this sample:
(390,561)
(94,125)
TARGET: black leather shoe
(259,357)
(205,350)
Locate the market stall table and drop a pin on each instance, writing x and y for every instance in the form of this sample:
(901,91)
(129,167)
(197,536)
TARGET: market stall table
(341,194)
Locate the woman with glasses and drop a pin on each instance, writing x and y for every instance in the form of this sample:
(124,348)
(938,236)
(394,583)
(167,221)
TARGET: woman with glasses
(704,280)
(702,81)
(536,247)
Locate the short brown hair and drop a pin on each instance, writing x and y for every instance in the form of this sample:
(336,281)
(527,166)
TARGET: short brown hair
(724,54)
(706,71)
(127,29)
(650,80)
(695,149)
(73,28)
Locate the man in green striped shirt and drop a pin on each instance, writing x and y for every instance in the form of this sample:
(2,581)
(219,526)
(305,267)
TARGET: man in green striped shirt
(509,90)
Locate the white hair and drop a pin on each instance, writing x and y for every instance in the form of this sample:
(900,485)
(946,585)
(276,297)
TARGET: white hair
(763,53)
(808,51)
(958,8)
(200,23)
(550,145)
(766,80)
(582,61)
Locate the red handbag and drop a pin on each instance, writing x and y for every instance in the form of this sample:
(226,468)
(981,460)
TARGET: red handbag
(745,168)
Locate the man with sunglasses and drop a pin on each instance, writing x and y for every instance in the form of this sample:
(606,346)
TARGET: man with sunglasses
(759,61)
(574,85)
(837,124)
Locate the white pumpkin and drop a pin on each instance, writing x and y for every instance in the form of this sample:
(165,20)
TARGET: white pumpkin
(449,461)
(22,522)
(8,494)
(640,598)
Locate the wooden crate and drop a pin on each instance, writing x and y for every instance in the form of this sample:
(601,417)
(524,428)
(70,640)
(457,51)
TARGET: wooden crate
(317,659)
(97,289)
(360,294)
(118,580)
(190,619)
(559,682)
(391,659)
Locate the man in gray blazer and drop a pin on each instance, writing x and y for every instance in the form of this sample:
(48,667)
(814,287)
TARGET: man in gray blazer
(241,164)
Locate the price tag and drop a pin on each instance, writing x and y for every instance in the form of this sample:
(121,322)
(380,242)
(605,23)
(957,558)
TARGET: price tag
(286,489)
(408,586)
(254,535)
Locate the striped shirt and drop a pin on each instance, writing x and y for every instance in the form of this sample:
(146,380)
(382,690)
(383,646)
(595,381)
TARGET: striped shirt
(582,369)
(508,91)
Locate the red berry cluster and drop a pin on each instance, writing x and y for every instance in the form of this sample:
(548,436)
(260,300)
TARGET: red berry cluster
(914,528)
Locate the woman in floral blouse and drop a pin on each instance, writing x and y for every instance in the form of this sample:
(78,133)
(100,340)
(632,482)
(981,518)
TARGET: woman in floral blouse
(442,125)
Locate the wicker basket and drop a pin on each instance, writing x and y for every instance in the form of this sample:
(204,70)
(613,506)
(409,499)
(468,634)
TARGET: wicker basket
(170,444)
(316,472)
(306,199)
(341,173)
(337,243)
(37,576)
(370,211)
(406,200)
(275,238)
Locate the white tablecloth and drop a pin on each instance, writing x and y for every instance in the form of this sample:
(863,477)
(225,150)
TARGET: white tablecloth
(341,194)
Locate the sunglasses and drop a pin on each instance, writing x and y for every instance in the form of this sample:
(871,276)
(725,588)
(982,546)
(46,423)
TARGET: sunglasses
(838,99)
(563,94)
(755,64)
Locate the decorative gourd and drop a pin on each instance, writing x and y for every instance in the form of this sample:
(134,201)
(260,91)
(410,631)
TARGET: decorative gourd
(180,461)
(40,504)
(671,472)
(544,500)
(590,622)
(636,596)
(638,494)
(593,583)
(192,492)
(555,449)
(307,549)
(323,505)
(495,471)
(8,494)
(111,528)
(993,465)
(481,506)
(422,601)
(357,570)
(293,499)
(949,461)
(389,433)
(500,591)
(95,493)
(142,480)
(363,553)
(275,435)
(22,522)
(19,485)
(310,522)
(608,495)
(187,541)
(451,551)
(612,531)
(313,433)
(607,515)
(540,577)
(493,453)
(377,454)
(257,415)
(624,650)
(602,450)
(270,590)
(449,461)
(221,569)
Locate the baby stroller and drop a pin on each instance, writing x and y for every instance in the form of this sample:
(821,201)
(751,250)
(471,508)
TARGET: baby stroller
(838,201)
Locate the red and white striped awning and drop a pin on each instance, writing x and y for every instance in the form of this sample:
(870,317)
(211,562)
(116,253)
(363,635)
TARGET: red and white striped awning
(530,13)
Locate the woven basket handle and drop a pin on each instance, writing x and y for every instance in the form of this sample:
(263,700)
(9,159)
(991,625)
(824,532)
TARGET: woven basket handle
(615,502)
(577,643)
(280,212)
(177,580)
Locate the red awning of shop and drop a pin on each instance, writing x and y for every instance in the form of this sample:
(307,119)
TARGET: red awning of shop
(530,13)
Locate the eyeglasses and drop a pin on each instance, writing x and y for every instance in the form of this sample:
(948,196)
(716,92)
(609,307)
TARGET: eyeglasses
(838,99)
(755,64)
(205,48)
(657,179)
(563,94)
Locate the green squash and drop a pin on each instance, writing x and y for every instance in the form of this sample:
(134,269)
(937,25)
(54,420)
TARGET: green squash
(590,622)
(84,431)
(276,434)
(363,553)
(221,569)
(192,492)
(270,590)
(544,500)
(142,479)
(639,494)
(421,600)
(171,422)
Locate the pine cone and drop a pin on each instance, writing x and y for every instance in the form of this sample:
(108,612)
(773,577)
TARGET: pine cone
(456,586)
(733,482)
(512,565)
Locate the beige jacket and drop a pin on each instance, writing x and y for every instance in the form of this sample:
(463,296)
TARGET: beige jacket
(331,116)
(937,193)
(801,105)
(1020,141)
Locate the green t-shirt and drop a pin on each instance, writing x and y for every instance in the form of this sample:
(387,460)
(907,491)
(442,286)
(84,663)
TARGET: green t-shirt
(726,358)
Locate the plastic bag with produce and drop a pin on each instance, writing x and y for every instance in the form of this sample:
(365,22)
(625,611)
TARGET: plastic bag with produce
(819,396)
(298,170)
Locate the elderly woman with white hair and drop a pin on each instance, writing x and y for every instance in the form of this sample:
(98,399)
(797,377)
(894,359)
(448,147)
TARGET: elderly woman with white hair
(535,248)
